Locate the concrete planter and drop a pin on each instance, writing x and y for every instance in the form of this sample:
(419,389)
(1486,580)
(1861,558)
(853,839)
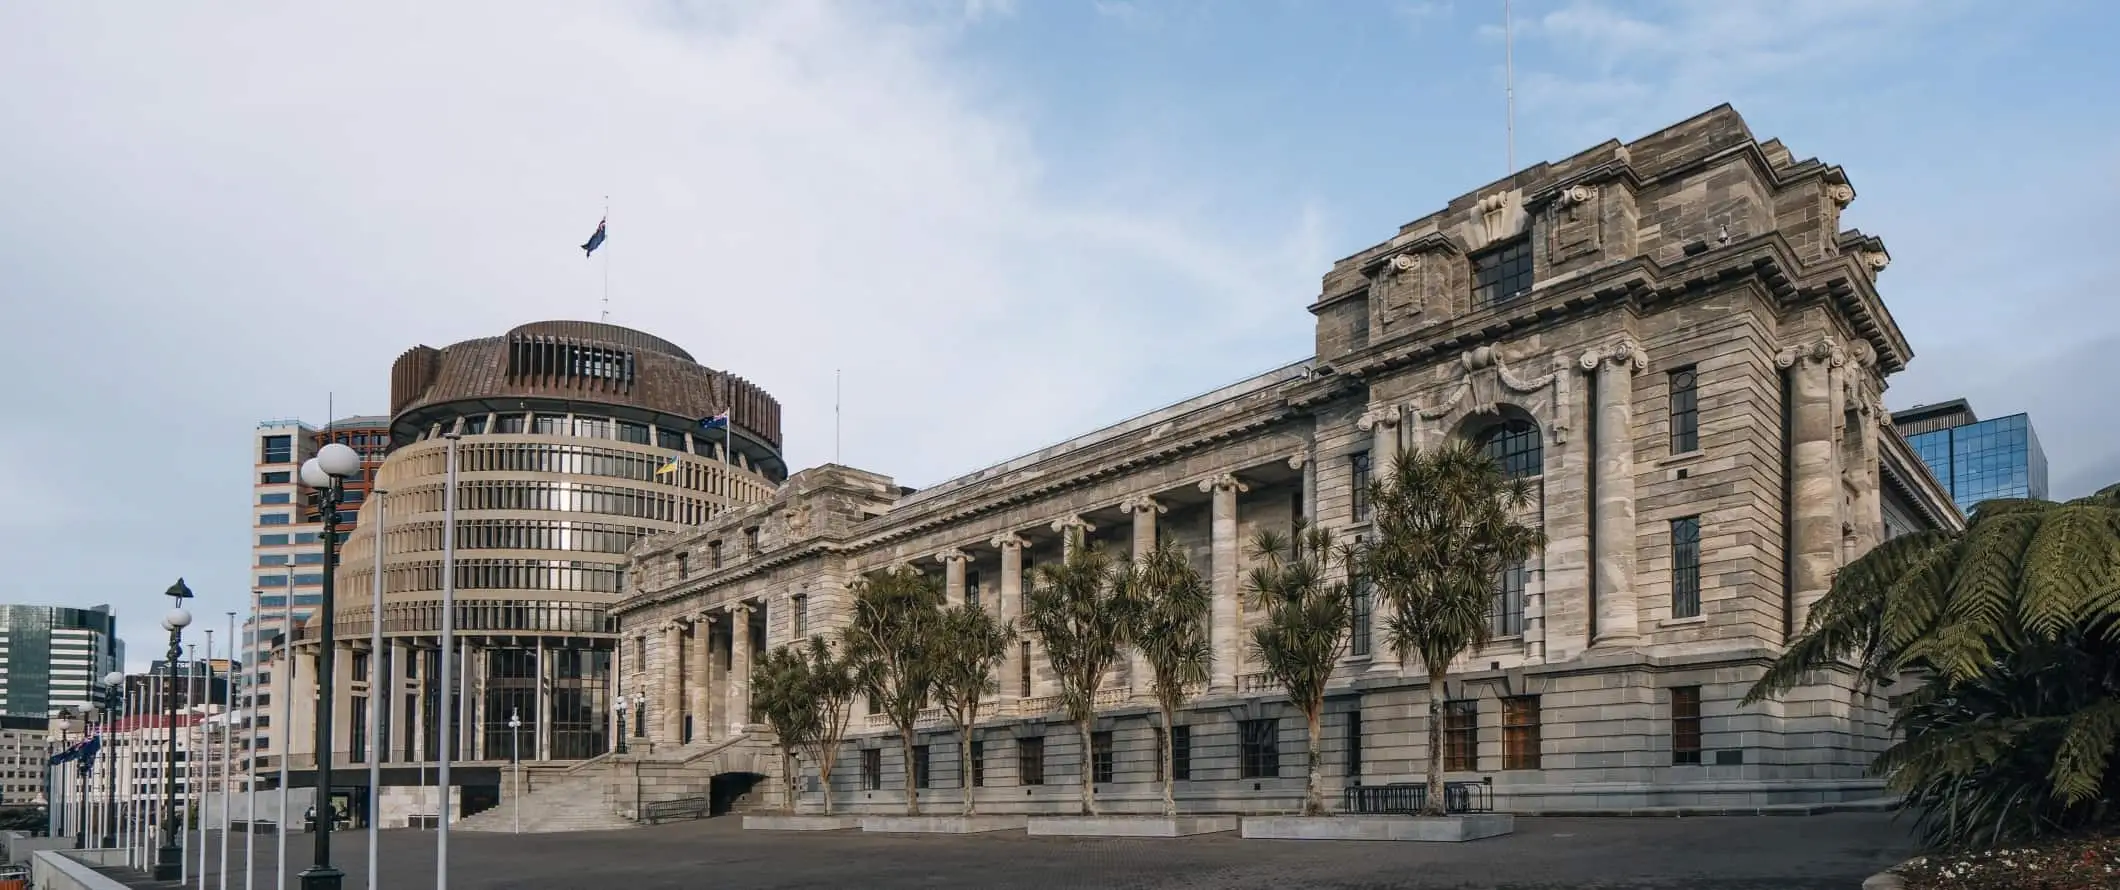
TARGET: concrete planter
(1444,829)
(1130,826)
(801,823)
(942,824)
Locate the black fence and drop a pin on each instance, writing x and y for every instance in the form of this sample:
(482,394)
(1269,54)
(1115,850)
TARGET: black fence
(697,807)
(1408,798)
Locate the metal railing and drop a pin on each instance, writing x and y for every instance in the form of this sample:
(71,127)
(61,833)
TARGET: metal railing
(698,806)
(1408,798)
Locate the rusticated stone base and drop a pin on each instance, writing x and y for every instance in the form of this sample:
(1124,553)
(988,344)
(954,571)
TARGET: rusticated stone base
(1131,826)
(1444,829)
(801,823)
(942,824)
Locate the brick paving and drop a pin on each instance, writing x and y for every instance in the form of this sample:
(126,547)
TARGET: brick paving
(1719,853)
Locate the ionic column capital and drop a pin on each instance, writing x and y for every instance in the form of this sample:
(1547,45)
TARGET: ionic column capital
(1298,460)
(952,555)
(1142,503)
(1623,354)
(1820,351)
(1223,482)
(1009,541)
(1066,523)
(739,609)
(1376,416)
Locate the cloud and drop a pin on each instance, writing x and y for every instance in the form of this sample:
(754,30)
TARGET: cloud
(218,219)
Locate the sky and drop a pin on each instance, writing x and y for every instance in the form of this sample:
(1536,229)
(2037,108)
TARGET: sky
(998,223)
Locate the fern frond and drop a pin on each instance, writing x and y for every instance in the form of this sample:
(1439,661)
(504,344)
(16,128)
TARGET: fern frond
(2086,751)
(2071,558)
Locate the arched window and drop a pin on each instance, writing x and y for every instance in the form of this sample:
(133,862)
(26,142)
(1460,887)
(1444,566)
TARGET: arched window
(1514,443)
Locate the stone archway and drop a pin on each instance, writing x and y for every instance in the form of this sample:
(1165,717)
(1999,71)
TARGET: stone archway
(727,791)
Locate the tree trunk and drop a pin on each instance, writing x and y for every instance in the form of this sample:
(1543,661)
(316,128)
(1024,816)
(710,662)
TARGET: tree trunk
(905,747)
(824,781)
(1313,784)
(964,762)
(1433,806)
(1089,772)
(1170,766)
(787,773)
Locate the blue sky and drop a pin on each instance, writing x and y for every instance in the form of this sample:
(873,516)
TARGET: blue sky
(1007,222)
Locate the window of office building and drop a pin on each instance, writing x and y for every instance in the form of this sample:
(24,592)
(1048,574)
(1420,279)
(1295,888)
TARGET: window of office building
(1685,724)
(1030,761)
(1358,484)
(1102,764)
(1507,616)
(1181,753)
(920,766)
(1501,274)
(1520,732)
(978,763)
(1685,412)
(1685,567)
(1361,602)
(1461,735)
(276,450)
(872,769)
(1258,748)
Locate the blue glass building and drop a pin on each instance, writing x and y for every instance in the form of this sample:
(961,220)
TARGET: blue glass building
(1976,459)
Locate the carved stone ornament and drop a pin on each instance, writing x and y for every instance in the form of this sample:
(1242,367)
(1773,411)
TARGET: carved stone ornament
(1485,381)
(1876,260)
(1377,415)
(1576,195)
(952,553)
(1840,193)
(1623,352)
(1494,215)
(1003,542)
(1142,503)
(1396,288)
(1297,460)
(1402,264)
(1226,481)
(1064,523)
(1822,350)
(798,520)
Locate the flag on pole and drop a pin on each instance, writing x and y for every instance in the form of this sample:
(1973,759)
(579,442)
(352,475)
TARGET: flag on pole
(716,422)
(596,240)
(670,467)
(88,753)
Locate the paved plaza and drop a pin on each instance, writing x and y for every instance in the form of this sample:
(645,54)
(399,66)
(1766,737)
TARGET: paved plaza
(1717,853)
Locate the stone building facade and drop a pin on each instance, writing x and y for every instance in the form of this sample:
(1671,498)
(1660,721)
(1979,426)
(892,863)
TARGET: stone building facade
(1672,339)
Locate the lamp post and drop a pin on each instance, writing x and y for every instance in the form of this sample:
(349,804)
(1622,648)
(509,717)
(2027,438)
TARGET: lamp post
(515,753)
(67,722)
(326,475)
(619,707)
(169,858)
(113,703)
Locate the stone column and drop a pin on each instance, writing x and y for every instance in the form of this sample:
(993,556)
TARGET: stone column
(953,561)
(1816,534)
(542,742)
(1307,461)
(1222,580)
(1381,422)
(739,667)
(1011,606)
(1140,678)
(717,691)
(1073,531)
(672,705)
(1618,618)
(699,662)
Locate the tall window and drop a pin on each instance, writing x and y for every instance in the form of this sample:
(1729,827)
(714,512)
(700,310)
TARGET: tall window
(1358,484)
(1102,768)
(1515,445)
(1685,412)
(1181,753)
(1685,567)
(1520,722)
(1354,746)
(801,615)
(978,763)
(971,587)
(1361,596)
(714,554)
(1501,274)
(920,766)
(872,769)
(358,726)
(1023,670)
(1685,724)
(1259,748)
(1030,761)
(684,565)
(1508,611)
(1461,735)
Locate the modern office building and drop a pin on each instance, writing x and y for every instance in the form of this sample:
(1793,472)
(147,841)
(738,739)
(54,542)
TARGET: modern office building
(575,441)
(287,554)
(53,657)
(25,749)
(1976,459)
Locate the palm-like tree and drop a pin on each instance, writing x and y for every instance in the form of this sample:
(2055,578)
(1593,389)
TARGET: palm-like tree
(1085,619)
(1170,631)
(2011,628)
(970,647)
(781,696)
(832,682)
(1446,528)
(1298,581)
(892,639)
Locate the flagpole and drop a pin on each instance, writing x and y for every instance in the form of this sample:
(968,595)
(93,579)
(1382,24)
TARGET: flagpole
(1509,83)
(250,756)
(191,676)
(375,686)
(200,795)
(228,731)
(441,839)
(284,685)
(835,415)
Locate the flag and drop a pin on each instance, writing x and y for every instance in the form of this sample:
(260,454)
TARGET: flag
(670,467)
(88,753)
(597,240)
(716,422)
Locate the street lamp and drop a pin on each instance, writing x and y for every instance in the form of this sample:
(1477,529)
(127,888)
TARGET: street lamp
(619,707)
(113,705)
(515,753)
(169,858)
(68,721)
(325,474)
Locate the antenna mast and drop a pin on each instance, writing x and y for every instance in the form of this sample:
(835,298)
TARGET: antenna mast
(606,317)
(1509,82)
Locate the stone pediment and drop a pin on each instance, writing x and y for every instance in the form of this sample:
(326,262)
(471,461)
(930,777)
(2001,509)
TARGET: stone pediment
(1484,382)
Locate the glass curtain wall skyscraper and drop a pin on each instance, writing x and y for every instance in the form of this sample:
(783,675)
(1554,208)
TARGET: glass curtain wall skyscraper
(1976,460)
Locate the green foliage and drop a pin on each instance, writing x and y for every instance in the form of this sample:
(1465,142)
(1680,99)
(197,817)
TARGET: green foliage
(1085,619)
(1171,633)
(894,642)
(971,645)
(2012,630)
(1299,581)
(1446,527)
(805,692)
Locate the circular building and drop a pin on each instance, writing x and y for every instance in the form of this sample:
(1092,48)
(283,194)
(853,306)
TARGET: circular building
(574,441)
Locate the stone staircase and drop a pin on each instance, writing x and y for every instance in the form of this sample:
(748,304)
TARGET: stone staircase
(607,792)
